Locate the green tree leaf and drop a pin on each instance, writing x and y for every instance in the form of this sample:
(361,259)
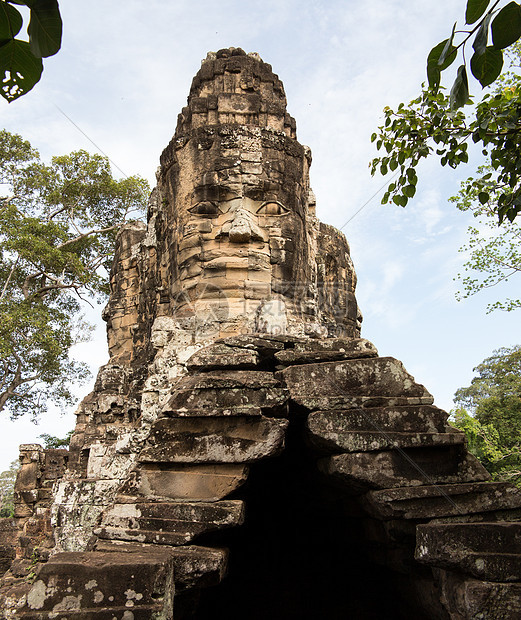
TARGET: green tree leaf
(19,69)
(434,68)
(475,9)
(10,21)
(45,28)
(481,38)
(506,27)
(448,48)
(487,66)
(459,94)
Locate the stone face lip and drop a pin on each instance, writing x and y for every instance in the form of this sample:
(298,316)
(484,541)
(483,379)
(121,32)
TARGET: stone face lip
(330,349)
(445,500)
(384,470)
(190,482)
(98,581)
(168,523)
(465,547)
(214,440)
(378,377)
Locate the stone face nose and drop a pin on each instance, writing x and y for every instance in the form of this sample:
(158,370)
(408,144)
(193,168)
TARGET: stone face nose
(240,228)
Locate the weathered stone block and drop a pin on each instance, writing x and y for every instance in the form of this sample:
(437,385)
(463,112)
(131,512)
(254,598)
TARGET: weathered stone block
(194,566)
(213,440)
(374,377)
(331,349)
(96,584)
(241,388)
(183,482)
(366,441)
(409,467)
(468,599)
(199,567)
(399,419)
(427,502)
(168,523)
(222,356)
(488,551)
(361,430)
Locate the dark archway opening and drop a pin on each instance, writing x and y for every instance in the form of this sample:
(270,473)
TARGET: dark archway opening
(302,552)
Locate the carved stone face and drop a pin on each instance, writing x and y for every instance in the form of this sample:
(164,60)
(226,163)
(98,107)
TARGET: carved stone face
(240,220)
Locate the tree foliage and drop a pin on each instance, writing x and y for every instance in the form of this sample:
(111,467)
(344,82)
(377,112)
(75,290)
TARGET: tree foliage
(57,231)
(490,413)
(7,480)
(493,250)
(51,441)
(21,63)
(435,124)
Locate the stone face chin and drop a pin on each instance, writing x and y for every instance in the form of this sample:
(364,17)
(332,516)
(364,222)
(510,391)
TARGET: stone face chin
(241,413)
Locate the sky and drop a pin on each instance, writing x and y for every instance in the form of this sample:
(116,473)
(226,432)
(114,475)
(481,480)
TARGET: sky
(123,75)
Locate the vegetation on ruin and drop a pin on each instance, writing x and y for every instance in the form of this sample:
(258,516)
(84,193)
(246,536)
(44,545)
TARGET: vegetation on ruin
(58,224)
(7,480)
(437,124)
(52,441)
(489,411)
(21,62)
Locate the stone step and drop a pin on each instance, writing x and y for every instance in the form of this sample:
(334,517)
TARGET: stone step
(194,566)
(96,584)
(330,349)
(213,440)
(366,378)
(168,523)
(361,471)
(182,481)
(427,502)
(489,551)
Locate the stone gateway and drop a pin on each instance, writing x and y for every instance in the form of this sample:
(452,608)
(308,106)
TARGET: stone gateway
(245,453)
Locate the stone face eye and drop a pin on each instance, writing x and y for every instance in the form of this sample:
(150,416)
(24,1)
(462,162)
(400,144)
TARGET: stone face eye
(205,209)
(272,208)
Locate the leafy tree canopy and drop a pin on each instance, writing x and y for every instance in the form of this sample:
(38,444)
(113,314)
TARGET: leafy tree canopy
(494,400)
(21,63)
(58,224)
(436,124)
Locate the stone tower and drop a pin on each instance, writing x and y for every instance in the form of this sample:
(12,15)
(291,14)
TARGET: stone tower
(245,453)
